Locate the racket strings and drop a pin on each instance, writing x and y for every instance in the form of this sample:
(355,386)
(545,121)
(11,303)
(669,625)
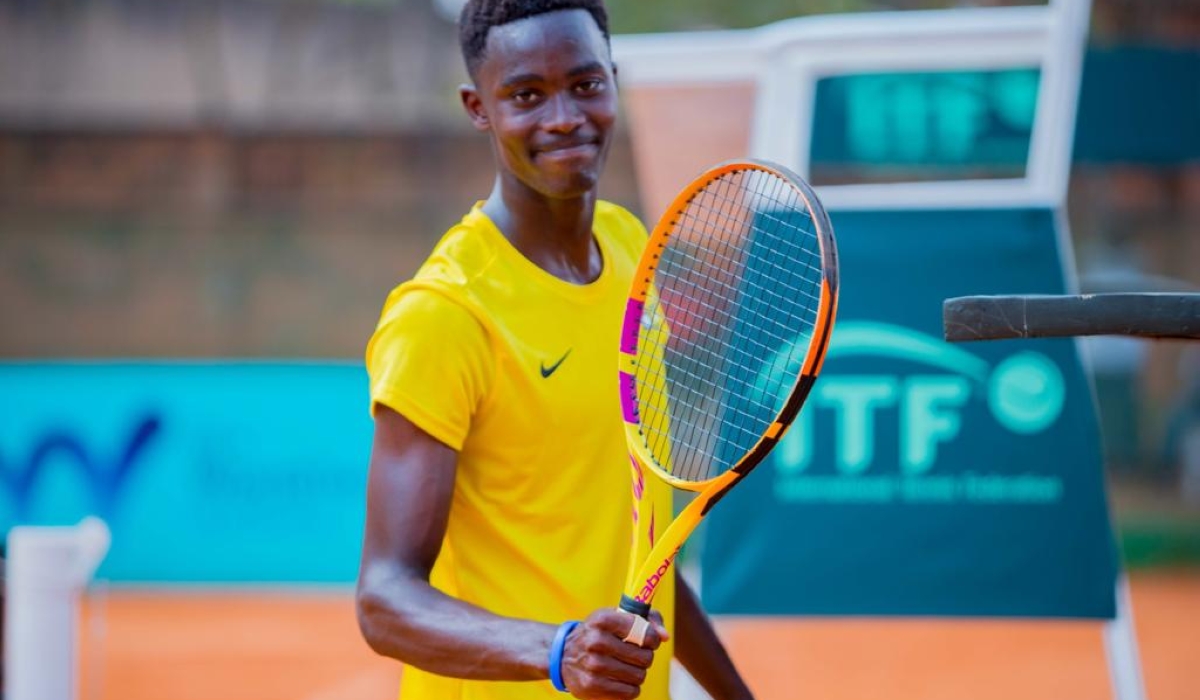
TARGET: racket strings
(729,288)
(701,312)
(813,261)
(692,385)
(735,296)
(746,425)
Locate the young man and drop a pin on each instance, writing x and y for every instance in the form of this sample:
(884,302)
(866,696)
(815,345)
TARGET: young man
(498,502)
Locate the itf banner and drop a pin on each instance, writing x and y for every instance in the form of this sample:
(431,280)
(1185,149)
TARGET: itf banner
(922,477)
(204,472)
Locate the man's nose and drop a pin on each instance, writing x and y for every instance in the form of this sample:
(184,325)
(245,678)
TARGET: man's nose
(563,115)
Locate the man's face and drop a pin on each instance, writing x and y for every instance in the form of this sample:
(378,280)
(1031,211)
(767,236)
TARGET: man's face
(546,92)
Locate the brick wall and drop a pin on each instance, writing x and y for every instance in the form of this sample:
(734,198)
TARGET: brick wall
(208,244)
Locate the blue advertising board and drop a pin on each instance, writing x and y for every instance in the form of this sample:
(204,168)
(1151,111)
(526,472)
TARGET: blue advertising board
(204,472)
(922,477)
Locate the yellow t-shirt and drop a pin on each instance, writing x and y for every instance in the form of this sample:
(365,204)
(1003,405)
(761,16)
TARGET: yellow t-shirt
(517,371)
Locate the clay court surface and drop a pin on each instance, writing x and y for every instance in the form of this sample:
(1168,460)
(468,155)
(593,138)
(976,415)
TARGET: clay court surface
(272,645)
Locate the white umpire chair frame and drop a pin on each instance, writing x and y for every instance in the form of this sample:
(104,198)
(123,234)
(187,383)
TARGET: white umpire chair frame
(784,61)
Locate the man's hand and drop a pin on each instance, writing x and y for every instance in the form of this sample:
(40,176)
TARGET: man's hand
(598,665)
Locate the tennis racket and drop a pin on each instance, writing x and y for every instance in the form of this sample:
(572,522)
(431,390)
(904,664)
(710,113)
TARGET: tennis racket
(725,330)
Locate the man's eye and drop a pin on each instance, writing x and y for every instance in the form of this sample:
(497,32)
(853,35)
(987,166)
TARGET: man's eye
(525,96)
(590,85)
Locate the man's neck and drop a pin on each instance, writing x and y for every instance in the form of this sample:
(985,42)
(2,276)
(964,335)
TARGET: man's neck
(555,234)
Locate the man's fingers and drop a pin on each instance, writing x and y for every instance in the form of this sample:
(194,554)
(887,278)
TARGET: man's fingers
(614,668)
(656,619)
(629,628)
(606,639)
(642,632)
(600,687)
(597,664)
(637,631)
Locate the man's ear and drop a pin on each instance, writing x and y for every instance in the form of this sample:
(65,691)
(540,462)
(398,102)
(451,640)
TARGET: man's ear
(474,106)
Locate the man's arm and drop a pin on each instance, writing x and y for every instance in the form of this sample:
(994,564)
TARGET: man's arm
(409,491)
(699,649)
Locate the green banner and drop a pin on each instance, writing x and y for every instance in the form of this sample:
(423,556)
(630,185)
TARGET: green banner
(922,477)
(1137,104)
(915,126)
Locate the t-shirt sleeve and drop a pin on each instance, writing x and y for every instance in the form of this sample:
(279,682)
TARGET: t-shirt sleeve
(430,360)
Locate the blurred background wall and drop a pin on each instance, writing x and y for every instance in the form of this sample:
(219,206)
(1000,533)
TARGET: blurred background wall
(225,178)
(249,178)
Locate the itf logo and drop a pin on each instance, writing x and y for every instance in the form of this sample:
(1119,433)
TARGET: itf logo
(1024,394)
(104,474)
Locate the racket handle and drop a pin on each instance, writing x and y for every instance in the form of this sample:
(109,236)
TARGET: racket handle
(636,607)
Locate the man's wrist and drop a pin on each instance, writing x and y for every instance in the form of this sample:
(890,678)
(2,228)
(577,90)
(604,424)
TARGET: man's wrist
(557,647)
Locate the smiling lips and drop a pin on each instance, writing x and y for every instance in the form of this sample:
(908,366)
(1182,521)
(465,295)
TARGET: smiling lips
(570,149)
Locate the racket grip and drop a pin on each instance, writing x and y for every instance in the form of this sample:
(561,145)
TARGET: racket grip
(636,607)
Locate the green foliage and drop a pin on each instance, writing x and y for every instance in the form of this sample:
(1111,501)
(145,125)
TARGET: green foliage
(633,16)
(638,16)
(628,16)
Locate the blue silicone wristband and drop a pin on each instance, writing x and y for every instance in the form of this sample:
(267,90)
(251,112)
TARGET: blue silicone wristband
(556,654)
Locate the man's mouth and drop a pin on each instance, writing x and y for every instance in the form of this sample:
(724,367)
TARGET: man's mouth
(568,150)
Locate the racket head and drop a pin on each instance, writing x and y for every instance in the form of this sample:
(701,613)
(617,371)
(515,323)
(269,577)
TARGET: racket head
(727,323)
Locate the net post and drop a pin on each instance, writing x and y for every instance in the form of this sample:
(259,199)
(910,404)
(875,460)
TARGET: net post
(1120,646)
(47,570)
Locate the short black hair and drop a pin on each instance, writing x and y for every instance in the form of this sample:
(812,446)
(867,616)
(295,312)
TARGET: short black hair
(479,16)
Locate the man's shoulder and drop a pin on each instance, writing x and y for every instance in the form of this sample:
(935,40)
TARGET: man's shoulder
(464,253)
(417,306)
(442,284)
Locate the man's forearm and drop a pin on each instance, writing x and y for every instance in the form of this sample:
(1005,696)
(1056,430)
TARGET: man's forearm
(413,622)
(700,650)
